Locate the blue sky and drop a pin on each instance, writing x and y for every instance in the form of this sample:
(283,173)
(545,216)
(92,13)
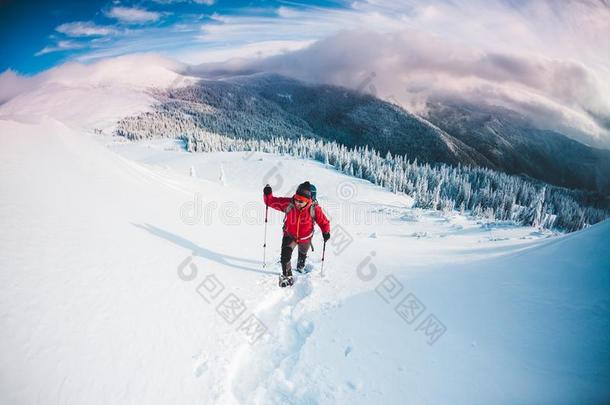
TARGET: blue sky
(41,34)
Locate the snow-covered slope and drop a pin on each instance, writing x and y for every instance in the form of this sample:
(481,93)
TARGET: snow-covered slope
(95,95)
(110,250)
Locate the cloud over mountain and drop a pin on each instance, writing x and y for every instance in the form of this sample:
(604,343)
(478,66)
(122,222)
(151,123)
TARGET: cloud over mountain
(548,62)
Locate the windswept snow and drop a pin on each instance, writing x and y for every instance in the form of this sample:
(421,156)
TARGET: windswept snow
(118,266)
(93,96)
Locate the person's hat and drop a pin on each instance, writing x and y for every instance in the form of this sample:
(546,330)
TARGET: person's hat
(304,190)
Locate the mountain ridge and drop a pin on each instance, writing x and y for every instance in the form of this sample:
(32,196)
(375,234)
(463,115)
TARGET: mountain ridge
(264,105)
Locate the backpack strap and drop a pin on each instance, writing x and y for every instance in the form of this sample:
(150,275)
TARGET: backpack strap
(312,210)
(289,207)
(286,211)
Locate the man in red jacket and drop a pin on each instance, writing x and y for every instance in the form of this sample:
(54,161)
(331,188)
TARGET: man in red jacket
(301,213)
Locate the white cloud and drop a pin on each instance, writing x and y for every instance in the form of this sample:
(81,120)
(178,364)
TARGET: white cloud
(12,84)
(133,14)
(414,67)
(552,63)
(261,49)
(139,69)
(206,2)
(89,95)
(84,29)
(63,45)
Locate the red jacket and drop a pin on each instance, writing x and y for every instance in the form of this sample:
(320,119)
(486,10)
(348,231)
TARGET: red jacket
(298,222)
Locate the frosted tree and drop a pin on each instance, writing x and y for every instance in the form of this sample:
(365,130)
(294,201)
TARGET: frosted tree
(481,191)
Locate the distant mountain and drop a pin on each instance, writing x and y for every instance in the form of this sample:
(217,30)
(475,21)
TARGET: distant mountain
(356,119)
(263,106)
(513,144)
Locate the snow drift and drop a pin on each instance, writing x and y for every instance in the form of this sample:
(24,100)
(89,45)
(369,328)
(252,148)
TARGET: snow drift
(106,245)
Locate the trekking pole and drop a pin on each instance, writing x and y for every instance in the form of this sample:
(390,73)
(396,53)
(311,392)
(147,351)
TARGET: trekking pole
(323,252)
(265,241)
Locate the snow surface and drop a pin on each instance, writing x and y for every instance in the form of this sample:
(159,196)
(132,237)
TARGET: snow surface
(107,248)
(96,305)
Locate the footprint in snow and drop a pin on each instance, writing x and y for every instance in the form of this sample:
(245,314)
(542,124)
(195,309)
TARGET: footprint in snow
(261,373)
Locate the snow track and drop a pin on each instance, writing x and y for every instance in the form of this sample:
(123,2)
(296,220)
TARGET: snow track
(93,310)
(261,373)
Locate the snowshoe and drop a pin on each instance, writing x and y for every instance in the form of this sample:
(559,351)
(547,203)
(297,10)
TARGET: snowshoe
(305,269)
(286,281)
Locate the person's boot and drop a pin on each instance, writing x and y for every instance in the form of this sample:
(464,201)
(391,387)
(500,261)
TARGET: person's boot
(286,279)
(301,263)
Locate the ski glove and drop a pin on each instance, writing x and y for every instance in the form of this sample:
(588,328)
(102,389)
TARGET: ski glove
(267,189)
(326,236)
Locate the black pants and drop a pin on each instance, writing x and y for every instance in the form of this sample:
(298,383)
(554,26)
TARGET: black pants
(288,245)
